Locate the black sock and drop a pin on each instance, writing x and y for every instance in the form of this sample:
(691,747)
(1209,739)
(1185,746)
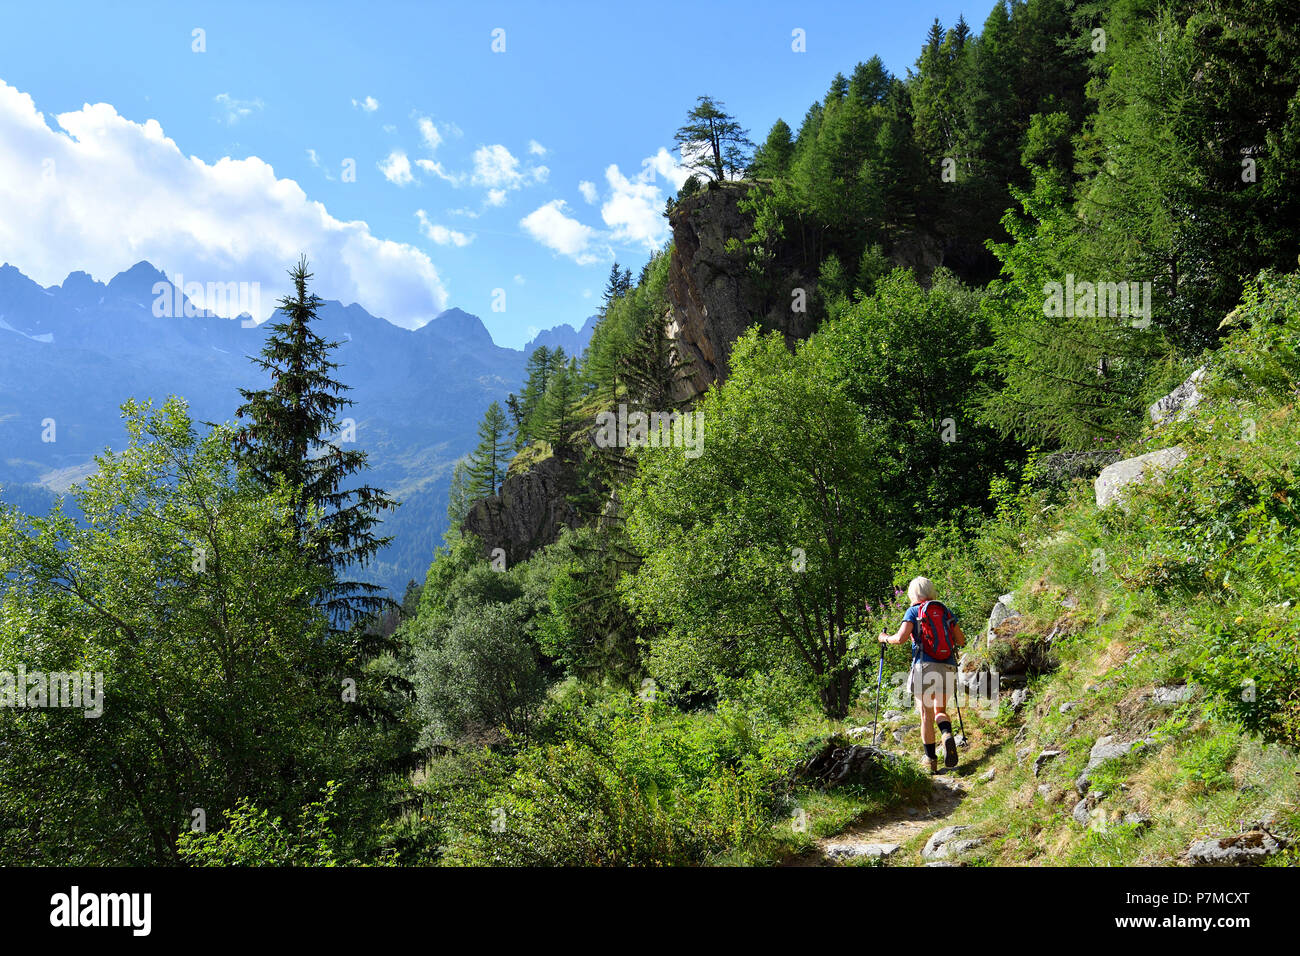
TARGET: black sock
(929,751)
(945,726)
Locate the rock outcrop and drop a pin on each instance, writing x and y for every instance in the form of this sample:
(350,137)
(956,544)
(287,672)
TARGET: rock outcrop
(714,297)
(1241,849)
(1178,404)
(944,843)
(1113,479)
(528,514)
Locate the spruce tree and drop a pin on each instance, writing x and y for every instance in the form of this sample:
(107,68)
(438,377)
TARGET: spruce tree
(287,432)
(487,465)
(559,410)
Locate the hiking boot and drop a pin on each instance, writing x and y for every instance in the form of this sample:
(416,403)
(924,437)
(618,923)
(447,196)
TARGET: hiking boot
(931,763)
(949,751)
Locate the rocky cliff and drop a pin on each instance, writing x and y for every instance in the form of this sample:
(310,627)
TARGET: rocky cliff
(713,297)
(528,514)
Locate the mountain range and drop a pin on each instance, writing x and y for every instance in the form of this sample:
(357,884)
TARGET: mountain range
(71,354)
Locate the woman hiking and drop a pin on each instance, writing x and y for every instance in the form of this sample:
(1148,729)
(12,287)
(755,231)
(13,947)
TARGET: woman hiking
(935,636)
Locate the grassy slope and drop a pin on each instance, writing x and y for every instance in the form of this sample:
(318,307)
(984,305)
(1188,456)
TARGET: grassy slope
(1126,626)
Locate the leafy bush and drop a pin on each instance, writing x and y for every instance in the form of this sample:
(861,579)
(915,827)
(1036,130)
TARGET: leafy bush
(252,837)
(632,782)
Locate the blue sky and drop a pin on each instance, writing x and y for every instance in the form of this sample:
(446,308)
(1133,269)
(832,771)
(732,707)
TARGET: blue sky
(469,163)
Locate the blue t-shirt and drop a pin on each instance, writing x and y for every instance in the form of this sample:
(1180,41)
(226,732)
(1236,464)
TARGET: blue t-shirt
(911,616)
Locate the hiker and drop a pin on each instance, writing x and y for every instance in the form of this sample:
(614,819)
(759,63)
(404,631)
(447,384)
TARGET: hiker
(935,636)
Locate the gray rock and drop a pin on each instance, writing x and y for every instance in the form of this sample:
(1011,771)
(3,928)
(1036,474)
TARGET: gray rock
(1018,698)
(1068,706)
(529,513)
(1002,611)
(1139,821)
(850,851)
(1108,748)
(1022,753)
(1178,404)
(1080,813)
(1115,478)
(942,843)
(987,776)
(900,734)
(1172,695)
(1042,759)
(712,298)
(1241,849)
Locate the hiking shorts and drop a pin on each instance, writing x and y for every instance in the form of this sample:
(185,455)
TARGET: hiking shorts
(933,680)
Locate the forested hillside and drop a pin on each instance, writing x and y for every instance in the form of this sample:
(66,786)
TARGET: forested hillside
(923,329)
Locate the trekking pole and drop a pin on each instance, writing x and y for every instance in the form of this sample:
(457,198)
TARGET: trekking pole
(880,677)
(955,699)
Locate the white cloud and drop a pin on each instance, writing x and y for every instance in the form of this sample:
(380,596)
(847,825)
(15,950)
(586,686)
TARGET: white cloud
(559,232)
(314,159)
(499,171)
(429,132)
(519,280)
(430,166)
(233,110)
(100,192)
(494,166)
(441,234)
(666,166)
(397,168)
(588,190)
(369,104)
(634,209)
(536,148)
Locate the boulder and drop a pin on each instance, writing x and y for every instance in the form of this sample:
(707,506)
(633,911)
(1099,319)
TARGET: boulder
(943,843)
(1002,611)
(1104,749)
(1115,478)
(1242,849)
(1172,695)
(1109,748)
(1080,813)
(851,851)
(1178,404)
(1042,759)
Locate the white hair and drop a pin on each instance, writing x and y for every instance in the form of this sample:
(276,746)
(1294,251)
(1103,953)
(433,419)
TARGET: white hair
(921,589)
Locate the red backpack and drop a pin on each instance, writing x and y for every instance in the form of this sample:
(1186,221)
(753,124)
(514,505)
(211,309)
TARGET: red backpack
(933,631)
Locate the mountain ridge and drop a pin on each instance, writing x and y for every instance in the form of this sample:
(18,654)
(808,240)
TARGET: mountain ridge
(71,354)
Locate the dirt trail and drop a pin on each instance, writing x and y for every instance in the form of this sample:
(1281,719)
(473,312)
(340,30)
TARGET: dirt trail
(899,825)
